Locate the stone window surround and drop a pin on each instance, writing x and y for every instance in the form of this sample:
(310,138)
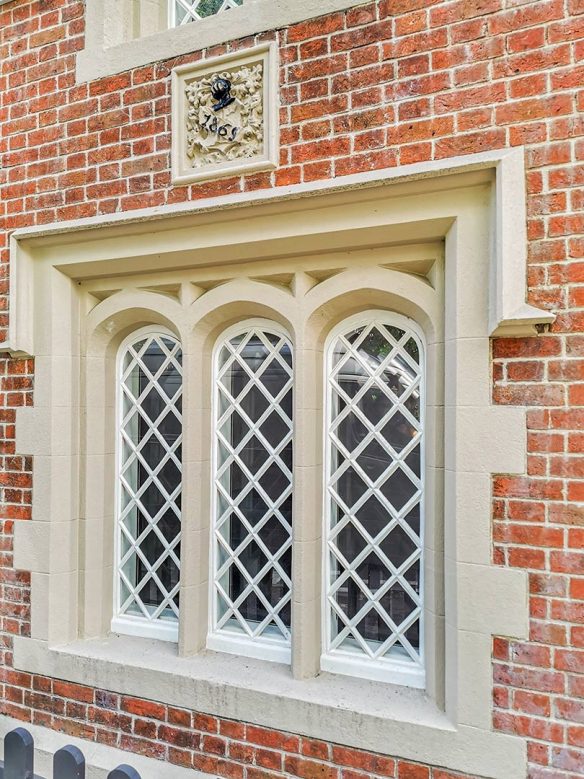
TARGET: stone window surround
(126,34)
(46,265)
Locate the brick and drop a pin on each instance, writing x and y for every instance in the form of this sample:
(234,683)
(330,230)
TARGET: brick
(412,771)
(309,769)
(144,708)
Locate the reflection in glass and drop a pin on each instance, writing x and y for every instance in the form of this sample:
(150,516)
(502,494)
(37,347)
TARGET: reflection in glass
(375,491)
(254,485)
(150,478)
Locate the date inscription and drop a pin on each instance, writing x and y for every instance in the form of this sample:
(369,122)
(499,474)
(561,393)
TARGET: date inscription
(227,131)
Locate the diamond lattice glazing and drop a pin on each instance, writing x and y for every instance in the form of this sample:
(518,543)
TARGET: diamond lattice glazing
(149,517)
(184,11)
(375,493)
(253,481)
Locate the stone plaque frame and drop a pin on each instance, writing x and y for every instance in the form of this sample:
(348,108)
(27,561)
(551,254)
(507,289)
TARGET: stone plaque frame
(239,136)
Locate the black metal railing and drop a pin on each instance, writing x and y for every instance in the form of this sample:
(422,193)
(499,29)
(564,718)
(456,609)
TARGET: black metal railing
(68,762)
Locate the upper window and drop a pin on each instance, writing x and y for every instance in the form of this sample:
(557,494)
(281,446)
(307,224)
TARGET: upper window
(118,32)
(149,485)
(374,501)
(252,554)
(184,11)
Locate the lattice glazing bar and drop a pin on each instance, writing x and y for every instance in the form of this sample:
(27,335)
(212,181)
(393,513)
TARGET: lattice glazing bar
(375,492)
(185,11)
(253,482)
(149,509)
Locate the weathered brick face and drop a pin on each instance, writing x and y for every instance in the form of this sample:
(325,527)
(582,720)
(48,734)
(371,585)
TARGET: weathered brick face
(384,84)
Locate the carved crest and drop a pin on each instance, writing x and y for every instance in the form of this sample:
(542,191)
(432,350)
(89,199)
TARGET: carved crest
(225,116)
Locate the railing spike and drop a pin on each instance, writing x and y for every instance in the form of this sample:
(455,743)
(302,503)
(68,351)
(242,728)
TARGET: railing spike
(69,763)
(18,755)
(124,772)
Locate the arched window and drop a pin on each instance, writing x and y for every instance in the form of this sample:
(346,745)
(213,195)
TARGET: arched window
(149,485)
(374,498)
(252,545)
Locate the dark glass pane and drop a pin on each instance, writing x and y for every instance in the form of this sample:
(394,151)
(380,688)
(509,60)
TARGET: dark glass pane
(155,405)
(398,431)
(398,489)
(265,379)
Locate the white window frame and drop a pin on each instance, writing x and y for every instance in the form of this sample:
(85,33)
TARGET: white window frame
(123,623)
(386,669)
(263,647)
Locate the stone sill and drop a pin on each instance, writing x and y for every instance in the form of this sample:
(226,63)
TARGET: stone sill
(374,717)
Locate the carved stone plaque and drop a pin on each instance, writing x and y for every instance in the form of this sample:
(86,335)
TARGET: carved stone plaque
(225,116)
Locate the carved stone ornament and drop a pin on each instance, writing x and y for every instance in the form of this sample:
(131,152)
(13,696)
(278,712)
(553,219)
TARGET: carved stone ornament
(225,116)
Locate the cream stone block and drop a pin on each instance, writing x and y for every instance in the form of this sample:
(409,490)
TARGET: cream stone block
(308,511)
(435,374)
(467,368)
(306,608)
(468,497)
(490,600)
(63,608)
(435,516)
(31,546)
(434,437)
(96,601)
(307,571)
(306,628)
(486,440)
(99,486)
(434,657)
(96,543)
(99,376)
(434,582)
(308,378)
(99,429)
(194,622)
(46,431)
(197,436)
(197,496)
(53,330)
(467,281)
(194,555)
(308,438)
(32,431)
(55,491)
(39,606)
(64,546)
(476,672)
(56,381)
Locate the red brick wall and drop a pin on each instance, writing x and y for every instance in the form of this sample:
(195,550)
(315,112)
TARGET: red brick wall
(388,83)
